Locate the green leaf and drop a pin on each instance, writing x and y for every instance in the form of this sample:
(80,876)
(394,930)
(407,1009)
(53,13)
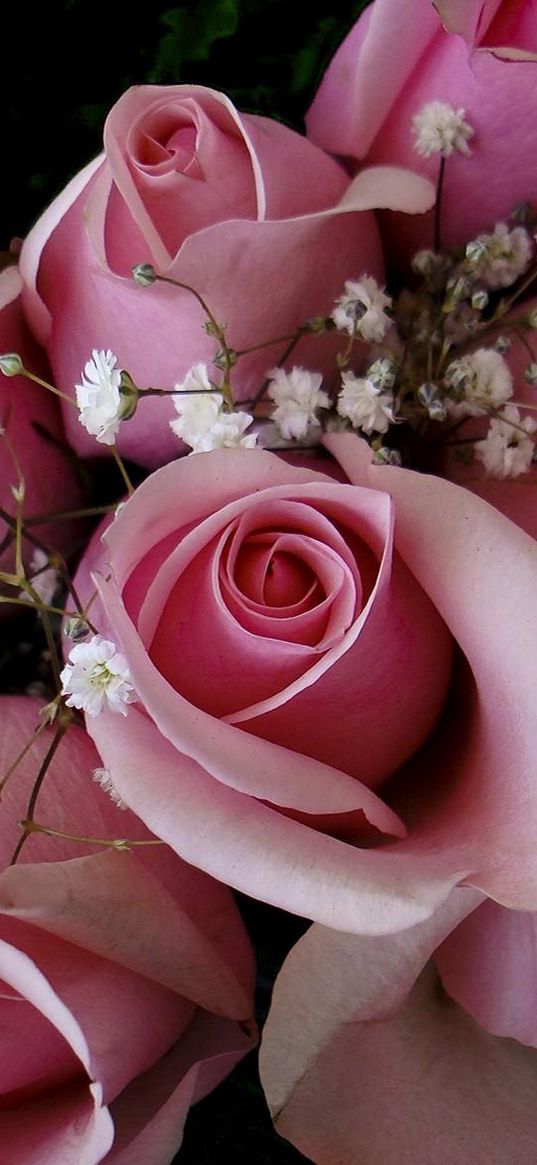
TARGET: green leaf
(192,34)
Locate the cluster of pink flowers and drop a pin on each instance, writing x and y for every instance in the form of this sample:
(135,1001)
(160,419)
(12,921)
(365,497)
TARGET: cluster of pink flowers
(306,675)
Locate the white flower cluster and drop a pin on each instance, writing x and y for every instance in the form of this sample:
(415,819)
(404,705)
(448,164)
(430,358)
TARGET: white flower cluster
(297,395)
(98,397)
(97,675)
(361,310)
(500,258)
(203,423)
(481,381)
(364,404)
(438,128)
(507,450)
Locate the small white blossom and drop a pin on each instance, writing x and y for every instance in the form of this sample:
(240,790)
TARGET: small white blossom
(98,397)
(438,128)
(103,778)
(507,451)
(44,578)
(360,311)
(364,405)
(203,423)
(482,381)
(97,675)
(498,259)
(297,395)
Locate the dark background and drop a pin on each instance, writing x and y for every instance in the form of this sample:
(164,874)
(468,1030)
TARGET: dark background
(65,62)
(63,65)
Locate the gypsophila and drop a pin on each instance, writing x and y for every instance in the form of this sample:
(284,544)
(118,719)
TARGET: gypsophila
(297,395)
(364,405)
(98,397)
(360,311)
(499,258)
(103,778)
(481,381)
(44,578)
(438,128)
(507,450)
(97,676)
(203,423)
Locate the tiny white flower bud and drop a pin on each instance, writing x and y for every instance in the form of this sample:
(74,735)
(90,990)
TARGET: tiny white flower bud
(530,374)
(11,364)
(144,274)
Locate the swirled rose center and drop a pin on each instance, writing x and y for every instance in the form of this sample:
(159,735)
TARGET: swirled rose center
(270,575)
(167,137)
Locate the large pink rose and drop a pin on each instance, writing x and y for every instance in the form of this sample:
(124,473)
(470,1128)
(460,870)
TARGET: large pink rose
(316,664)
(239,207)
(31,419)
(392,1050)
(125,975)
(479,55)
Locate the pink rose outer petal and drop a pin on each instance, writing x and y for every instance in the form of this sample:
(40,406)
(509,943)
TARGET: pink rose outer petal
(149,1115)
(462,552)
(489,966)
(358,1064)
(75,1125)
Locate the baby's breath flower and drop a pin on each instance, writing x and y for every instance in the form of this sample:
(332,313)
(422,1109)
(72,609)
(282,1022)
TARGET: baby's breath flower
(364,405)
(11,364)
(499,258)
(360,311)
(530,374)
(44,578)
(438,128)
(103,778)
(98,397)
(203,423)
(297,395)
(481,381)
(97,675)
(382,374)
(507,451)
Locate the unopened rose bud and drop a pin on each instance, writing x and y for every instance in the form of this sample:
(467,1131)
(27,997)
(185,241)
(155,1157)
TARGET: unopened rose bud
(144,274)
(11,364)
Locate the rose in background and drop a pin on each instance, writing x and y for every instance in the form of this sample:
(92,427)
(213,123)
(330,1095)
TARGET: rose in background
(317,665)
(477,56)
(125,975)
(33,440)
(409,1048)
(236,206)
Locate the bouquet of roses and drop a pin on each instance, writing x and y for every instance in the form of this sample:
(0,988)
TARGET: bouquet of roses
(267,444)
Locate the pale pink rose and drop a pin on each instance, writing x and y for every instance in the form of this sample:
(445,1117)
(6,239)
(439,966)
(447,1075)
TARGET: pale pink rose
(479,55)
(125,975)
(51,483)
(239,207)
(316,665)
(393,1049)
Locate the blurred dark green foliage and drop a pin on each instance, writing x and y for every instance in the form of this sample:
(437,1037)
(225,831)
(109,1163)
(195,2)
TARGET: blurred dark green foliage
(65,63)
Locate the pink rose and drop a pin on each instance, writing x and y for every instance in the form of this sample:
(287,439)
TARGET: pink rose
(316,666)
(123,973)
(479,56)
(239,207)
(393,1049)
(31,419)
